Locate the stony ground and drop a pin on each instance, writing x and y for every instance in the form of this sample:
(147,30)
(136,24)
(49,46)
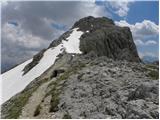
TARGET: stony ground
(107,89)
(35,100)
(90,87)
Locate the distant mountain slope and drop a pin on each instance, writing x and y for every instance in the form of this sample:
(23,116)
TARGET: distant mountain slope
(149,59)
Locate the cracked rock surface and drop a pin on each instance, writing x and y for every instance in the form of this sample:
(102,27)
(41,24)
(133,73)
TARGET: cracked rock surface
(90,87)
(110,89)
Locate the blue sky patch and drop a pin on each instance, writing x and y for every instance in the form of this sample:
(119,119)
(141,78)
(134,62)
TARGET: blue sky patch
(13,23)
(141,10)
(58,26)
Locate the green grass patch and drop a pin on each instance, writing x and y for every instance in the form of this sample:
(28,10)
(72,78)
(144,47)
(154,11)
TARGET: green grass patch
(154,74)
(54,103)
(151,66)
(14,108)
(152,71)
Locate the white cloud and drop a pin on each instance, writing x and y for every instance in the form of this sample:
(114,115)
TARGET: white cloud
(122,23)
(150,42)
(91,9)
(19,45)
(142,31)
(146,28)
(119,7)
(139,42)
(150,54)
(16,35)
(145,35)
(147,43)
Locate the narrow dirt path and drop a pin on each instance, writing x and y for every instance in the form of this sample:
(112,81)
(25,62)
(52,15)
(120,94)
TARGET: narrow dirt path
(36,98)
(44,112)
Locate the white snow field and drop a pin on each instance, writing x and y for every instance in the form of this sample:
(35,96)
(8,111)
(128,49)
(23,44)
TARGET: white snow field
(72,45)
(13,81)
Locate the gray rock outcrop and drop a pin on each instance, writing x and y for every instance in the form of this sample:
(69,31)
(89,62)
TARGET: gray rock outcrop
(35,61)
(107,39)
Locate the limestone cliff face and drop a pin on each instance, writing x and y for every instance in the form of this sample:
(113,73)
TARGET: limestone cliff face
(106,39)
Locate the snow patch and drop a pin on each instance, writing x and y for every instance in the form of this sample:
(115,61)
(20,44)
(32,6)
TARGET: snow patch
(13,81)
(72,45)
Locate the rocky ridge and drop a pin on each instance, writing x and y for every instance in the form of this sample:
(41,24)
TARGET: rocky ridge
(91,87)
(100,36)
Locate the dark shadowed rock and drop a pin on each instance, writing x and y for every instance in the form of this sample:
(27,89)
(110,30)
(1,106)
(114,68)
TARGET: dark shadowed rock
(34,62)
(106,39)
(56,72)
(58,41)
(91,23)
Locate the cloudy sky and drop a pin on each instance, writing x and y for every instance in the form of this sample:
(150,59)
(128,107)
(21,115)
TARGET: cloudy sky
(27,27)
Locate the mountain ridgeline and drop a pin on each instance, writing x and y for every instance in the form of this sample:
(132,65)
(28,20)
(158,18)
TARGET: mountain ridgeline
(102,37)
(91,71)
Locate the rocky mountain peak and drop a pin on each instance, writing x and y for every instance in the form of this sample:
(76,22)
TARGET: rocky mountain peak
(104,38)
(90,23)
